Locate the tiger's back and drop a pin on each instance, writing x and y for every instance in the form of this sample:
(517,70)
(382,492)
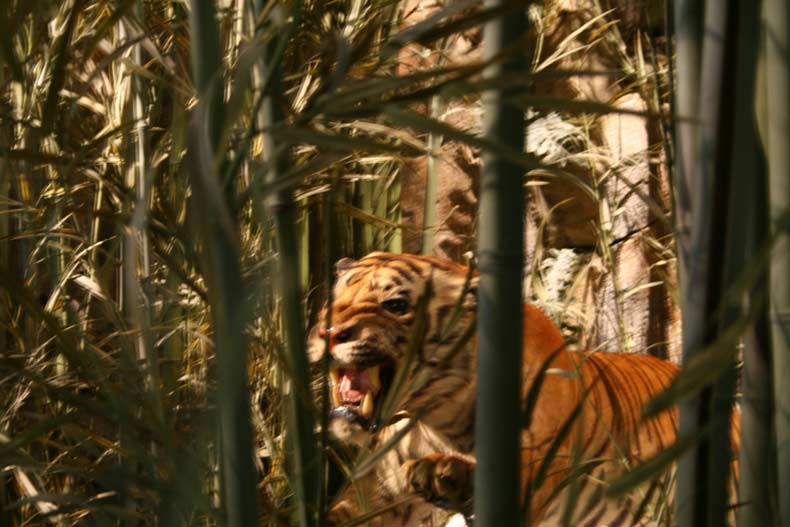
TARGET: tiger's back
(588,411)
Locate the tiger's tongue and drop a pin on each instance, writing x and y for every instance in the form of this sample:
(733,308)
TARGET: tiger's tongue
(354,384)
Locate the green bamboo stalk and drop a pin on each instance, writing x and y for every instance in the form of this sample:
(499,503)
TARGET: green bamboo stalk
(303,225)
(6,135)
(383,203)
(306,470)
(394,241)
(756,486)
(330,257)
(431,180)
(136,252)
(362,230)
(757,481)
(135,262)
(174,348)
(687,23)
(698,494)
(366,190)
(742,215)
(500,318)
(207,64)
(222,272)
(775,23)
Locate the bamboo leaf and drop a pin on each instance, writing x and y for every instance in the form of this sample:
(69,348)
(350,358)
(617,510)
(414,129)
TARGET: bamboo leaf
(34,433)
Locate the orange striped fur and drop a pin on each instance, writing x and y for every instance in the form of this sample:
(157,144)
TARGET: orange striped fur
(430,468)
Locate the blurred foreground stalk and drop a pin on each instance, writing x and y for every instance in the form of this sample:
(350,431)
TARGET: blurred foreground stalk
(500,308)
(775,139)
(219,239)
(721,243)
(757,483)
(306,470)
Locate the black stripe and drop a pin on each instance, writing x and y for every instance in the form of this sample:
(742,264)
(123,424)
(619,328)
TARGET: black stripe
(622,388)
(619,520)
(415,268)
(595,519)
(441,315)
(363,265)
(353,278)
(595,499)
(408,277)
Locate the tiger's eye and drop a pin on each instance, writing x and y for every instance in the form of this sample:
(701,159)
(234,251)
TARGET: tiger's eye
(399,306)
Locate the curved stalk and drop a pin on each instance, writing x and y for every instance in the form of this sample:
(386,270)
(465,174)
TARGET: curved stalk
(222,271)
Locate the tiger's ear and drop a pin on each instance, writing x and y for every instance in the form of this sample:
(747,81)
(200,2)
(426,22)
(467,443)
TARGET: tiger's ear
(343,265)
(315,344)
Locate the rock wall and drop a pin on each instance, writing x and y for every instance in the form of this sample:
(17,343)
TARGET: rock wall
(457,165)
(611,232)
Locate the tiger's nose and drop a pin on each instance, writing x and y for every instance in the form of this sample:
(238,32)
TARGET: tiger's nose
(336,336)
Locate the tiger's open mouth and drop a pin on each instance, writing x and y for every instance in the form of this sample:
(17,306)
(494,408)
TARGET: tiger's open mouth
(356,392)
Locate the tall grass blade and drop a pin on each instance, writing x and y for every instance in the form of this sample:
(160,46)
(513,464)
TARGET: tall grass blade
(652,468)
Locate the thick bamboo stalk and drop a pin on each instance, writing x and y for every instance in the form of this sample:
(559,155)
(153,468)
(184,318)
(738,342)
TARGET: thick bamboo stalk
(745,221)
(304,460)
(687,23)
(221,269)
(756,484)
(775,24)
(701,490)
(500,318)
(756,491)
(688,30)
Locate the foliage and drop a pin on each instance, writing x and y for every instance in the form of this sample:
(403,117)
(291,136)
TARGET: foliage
(138,239)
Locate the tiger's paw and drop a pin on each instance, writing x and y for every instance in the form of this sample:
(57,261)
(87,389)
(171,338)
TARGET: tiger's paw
(443,480)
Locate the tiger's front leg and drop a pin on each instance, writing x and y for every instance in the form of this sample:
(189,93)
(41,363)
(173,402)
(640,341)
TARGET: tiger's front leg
(446,481)
(368,498)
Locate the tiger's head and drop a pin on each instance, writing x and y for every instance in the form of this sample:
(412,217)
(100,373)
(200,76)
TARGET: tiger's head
(377,333)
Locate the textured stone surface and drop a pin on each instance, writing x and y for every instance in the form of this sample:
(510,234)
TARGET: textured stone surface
(625,182)
(622,315)
(617,297)
(457,167)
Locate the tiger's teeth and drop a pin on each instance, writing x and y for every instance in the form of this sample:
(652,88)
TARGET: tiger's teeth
(335,395)
(366,408)
(375,378)
(334,376)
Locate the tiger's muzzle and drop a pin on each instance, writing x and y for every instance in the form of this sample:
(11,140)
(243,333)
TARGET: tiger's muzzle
(359,377)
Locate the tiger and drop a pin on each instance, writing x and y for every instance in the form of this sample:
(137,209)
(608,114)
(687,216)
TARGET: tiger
(413,398)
